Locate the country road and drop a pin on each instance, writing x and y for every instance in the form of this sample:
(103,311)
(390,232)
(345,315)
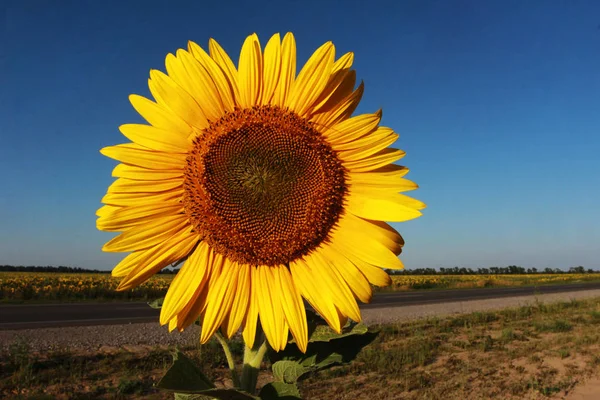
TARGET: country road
(34,316)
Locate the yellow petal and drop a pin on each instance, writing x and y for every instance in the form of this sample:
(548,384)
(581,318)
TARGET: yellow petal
(353,128)
(341,68)
(359,142)
(169,94)
(106,210)
(140,199)
(377,230)
(365,247)
(133,154)
(271,68)
(382,206)
(344,62)
(367,145)
(288,70)
(249,332)
(143,174)
(128,263)
(385,184)
(240,303)
(330,282)
(303,276)
(124,217)
(293,308)
(285,334)
(351,275)
(159,116)
(391,170)
(156,258)
(381,159)
(147,235)
(173,324)
(342,110)
(269,305)
(375,275)
(222,59)
(250,71)
(329,113)
(191,276)
(187,72)
(220,300)
(123,185)
(225,87)
(378,178)
(197,304)
(311,80)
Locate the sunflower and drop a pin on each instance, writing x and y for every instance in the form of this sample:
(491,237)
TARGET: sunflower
(264,185)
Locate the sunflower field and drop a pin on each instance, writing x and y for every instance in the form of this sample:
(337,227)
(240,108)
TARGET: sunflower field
(415,282)
(42,287)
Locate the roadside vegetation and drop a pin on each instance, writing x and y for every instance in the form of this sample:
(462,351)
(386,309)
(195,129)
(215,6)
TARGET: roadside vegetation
(535,352)
(40,287)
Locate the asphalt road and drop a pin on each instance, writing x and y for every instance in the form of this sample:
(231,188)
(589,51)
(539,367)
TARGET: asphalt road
(31,316)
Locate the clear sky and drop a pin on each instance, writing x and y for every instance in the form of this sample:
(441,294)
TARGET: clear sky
(497,104)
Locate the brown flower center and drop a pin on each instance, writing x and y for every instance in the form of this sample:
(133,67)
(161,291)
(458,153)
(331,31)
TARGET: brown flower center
(262,186)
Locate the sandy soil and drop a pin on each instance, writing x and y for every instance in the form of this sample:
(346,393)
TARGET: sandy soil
(589,390)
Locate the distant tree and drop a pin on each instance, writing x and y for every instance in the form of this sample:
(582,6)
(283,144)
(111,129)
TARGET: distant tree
(577,270)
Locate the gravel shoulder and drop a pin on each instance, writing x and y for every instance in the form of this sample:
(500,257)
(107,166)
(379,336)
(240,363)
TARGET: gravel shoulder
(143,335)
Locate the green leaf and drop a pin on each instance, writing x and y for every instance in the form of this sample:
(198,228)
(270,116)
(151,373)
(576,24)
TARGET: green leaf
(279,391)
(157,303)
(288,371)
(328,348)
(324,333)
(321,360)
(319,331)
(184,376)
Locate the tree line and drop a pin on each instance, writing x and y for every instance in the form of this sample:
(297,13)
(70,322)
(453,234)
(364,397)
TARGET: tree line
(510,270)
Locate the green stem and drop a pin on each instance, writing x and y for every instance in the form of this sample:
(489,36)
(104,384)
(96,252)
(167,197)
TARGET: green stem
(252,359)
(229,356)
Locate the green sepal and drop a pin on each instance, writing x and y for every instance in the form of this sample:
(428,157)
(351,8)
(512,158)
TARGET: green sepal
(279,391)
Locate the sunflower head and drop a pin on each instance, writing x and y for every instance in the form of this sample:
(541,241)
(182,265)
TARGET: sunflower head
(265,184)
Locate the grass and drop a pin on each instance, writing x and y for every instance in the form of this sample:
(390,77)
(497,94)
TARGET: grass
(528,352)
(534,352)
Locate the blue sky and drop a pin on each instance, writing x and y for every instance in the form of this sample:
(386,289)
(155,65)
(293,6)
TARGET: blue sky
(497,104)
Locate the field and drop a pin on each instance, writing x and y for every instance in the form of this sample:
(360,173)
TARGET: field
(18,287)
(539,351)
(414,282)
(41,287)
